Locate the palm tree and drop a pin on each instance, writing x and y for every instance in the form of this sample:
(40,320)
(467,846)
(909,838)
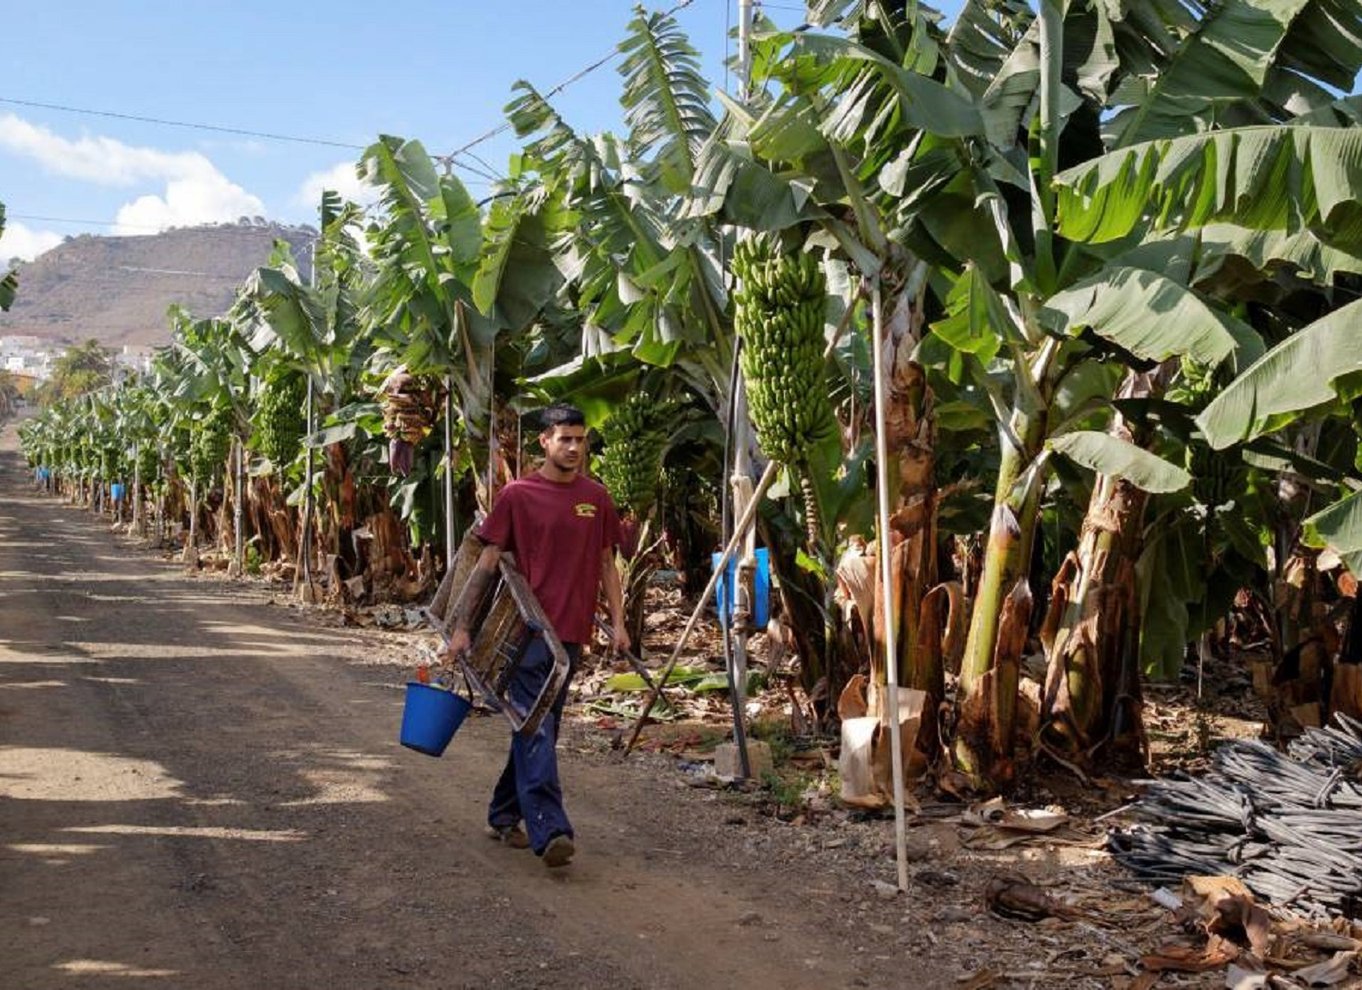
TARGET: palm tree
(81,368)
(9,394)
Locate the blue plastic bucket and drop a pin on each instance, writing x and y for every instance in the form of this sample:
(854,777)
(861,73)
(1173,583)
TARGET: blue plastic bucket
(116,492)
(761,589)
(431,716)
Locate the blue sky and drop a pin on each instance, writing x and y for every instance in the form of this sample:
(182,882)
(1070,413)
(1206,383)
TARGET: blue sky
(340,71)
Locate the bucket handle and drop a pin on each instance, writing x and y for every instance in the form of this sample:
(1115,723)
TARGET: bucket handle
(444,680)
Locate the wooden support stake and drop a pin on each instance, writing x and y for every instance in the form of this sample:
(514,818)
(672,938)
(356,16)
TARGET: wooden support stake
(886,583)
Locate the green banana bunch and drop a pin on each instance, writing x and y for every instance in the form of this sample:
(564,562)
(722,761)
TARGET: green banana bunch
(279,417)
(635,436)
(779,316)
(208,447)
(149,463)
(110,464)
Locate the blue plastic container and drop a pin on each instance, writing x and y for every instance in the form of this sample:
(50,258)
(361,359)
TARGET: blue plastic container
(116,492)
(761,589)
(431,716)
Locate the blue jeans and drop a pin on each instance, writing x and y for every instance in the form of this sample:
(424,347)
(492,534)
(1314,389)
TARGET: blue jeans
(529,789)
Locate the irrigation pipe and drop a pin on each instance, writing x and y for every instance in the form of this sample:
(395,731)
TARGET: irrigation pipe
(767,478)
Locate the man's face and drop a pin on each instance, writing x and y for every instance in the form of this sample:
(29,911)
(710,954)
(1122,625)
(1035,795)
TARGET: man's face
(564,446)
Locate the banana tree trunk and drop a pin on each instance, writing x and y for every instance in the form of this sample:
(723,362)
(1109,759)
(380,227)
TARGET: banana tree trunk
(1345,687)
(1001,615)
(910,428)
(1305,637)
(1092,697)
(1092,700)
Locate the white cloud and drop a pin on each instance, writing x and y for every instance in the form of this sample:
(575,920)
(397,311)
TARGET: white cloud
(339,178)
(195,191)
(189,201)
(19,241)
(96,159)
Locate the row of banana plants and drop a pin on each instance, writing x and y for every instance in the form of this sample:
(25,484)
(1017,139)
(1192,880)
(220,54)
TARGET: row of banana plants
(1111,252)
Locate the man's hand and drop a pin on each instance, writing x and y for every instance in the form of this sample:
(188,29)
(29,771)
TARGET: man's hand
(619,637)
(457,646)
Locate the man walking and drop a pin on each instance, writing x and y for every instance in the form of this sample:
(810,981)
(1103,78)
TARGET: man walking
(563,529)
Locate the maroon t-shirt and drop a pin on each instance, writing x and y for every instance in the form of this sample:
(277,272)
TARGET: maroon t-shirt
(557,531)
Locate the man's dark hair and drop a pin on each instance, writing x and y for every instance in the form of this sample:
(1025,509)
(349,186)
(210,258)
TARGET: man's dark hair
(560,414)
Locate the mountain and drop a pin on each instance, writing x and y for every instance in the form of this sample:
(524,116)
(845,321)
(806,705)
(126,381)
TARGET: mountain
(117,289)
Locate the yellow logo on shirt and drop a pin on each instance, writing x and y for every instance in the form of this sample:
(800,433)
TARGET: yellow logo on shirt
(585,510)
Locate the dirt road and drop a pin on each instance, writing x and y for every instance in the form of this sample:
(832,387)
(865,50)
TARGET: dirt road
(201,789)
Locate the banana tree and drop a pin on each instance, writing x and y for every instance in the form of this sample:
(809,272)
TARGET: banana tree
(646,277)
(1028,317)
(1280,194)
(314,330)
(136,408)
(1313,376)
(211,386)
(427,243)
(836,145)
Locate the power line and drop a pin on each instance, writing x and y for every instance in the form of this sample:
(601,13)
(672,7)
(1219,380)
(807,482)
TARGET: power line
(176,271)
(447,159)
(240,131)
(613,54)
(487,172)
(234,228)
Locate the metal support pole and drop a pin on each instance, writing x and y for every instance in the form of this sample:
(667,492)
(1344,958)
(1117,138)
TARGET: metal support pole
(304,566)
(740,620)
(739,626)
(192,545)
(136,483)
(768,476)
(450,545)
(305,536)
(886,583)
(239,514)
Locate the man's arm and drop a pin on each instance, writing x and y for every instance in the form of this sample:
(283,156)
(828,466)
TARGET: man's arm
(483,573)
(614,598)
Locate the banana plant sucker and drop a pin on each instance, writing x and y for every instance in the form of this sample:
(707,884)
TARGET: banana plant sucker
(987,692)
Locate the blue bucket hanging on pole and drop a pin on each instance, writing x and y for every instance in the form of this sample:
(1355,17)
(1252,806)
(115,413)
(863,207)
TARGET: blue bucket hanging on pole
(761,589)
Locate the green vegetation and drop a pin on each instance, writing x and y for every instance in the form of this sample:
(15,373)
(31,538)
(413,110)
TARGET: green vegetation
(1112,264)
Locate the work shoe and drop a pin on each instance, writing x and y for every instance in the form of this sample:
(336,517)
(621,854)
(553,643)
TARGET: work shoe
(509,835)
(558,852)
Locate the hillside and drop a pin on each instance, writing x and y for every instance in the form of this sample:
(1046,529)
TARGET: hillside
(117,289)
